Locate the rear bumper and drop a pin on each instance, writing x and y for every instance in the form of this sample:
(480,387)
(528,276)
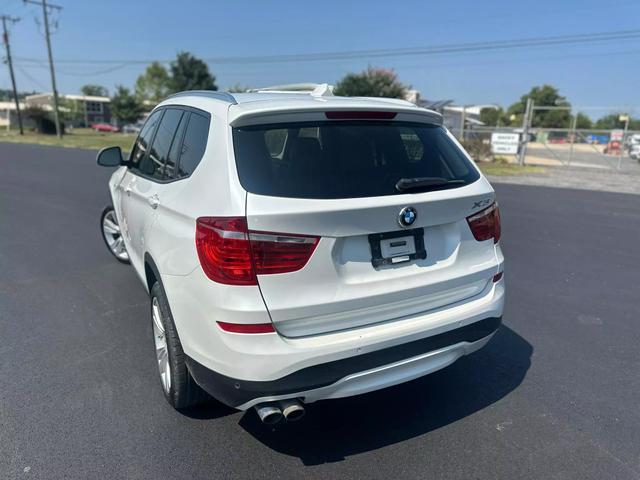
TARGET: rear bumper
(352,375)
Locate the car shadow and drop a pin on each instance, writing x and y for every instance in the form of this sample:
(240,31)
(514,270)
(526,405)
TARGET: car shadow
(333,430)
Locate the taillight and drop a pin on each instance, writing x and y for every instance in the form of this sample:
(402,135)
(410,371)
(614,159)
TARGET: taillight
(280,252)
(360,115)
(223,250)
(231,254)
(486,224)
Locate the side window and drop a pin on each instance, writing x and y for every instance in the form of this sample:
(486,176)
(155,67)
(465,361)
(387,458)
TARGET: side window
(176,147)
(152,165)
(194,144)
(144,139)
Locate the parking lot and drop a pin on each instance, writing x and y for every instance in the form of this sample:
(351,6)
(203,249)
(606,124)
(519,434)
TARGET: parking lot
(554,394)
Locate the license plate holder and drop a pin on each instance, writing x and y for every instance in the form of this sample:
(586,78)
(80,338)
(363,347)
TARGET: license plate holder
(392,248)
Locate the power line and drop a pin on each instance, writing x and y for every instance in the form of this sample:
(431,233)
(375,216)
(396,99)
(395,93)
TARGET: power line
(5,37)
(45,13)
(35,81)
(578,39)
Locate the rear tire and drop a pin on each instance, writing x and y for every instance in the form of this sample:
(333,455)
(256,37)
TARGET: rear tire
(178,386)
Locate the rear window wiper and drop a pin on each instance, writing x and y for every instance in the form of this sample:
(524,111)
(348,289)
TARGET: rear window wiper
(407,184)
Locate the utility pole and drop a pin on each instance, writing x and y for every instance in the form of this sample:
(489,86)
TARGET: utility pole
(574,123)
(526,121)
(45,14)
(624,118)
(5,37)
(463,120)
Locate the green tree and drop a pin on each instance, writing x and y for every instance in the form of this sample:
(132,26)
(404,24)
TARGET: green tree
(191,73)
(583,121)
(41,119)
(373,82)
(154,84)
(612,121)
(71,111)
(492,117)
(94,91)
(542,96)
(126,108)
(237,88)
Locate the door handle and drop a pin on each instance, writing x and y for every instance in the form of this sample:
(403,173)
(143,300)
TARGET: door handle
(154,201)
(128,190)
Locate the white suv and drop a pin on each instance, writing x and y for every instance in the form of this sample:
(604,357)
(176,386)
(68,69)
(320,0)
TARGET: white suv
(301,246)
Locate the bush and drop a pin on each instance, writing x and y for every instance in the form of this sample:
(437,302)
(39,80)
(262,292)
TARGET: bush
(42,120)
(478,149)
(500,160)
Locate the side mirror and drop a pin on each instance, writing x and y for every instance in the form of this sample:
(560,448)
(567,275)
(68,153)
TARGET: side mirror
(110,157)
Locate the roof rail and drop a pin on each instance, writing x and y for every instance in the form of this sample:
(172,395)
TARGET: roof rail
(224,96)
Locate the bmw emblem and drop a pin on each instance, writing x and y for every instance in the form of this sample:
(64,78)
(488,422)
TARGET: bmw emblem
(407,216)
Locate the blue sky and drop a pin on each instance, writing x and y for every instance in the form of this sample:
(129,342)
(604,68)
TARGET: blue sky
(605,74)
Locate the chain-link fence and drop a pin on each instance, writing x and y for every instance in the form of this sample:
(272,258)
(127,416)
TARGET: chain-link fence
(597,149)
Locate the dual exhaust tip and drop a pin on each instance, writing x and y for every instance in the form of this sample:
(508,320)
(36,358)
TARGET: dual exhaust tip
(272,412)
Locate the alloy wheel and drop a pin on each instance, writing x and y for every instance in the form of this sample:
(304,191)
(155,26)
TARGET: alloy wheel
(113,236)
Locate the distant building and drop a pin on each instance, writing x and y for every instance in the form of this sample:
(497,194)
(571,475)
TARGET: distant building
(8,114)
(84,110)
(452,114)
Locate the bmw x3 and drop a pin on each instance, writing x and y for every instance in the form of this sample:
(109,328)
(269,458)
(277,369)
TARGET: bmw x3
(299,246)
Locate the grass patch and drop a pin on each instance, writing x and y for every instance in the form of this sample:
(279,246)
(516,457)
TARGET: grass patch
(504,169)
(78,138)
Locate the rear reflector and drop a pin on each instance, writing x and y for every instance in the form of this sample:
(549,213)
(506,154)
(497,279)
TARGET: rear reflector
(231,254)
(497,277)
(360,115)
(246,327)
(486,224)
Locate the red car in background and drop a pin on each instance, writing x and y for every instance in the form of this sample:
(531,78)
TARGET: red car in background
(105,127)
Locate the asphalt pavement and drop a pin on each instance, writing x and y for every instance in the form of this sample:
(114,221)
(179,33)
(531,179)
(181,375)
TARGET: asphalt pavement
(553,395)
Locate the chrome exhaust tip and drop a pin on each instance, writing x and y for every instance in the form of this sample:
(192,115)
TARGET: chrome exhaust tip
(269,413)
(292,409)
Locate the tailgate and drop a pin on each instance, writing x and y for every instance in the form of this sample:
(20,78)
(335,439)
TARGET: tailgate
(339,288)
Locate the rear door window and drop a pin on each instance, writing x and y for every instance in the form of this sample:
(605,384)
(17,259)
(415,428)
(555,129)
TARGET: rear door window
(346,159)
(176,147)
(194,144)
(153,164)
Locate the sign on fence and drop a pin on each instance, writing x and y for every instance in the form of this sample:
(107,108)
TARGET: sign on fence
(506,143)
(617,135)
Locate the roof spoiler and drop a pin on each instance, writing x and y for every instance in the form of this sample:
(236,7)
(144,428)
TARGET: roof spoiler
(314,89)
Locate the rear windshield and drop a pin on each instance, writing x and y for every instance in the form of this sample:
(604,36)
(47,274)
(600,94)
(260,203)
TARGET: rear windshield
(346,159)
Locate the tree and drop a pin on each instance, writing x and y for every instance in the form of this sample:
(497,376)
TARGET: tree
(154,84)
(94,91)
(491,117)
(125,106)
(542,96)
(190,73)
(71,111)
(612,121)
(373,82)
(237,88)
(583,121)
(41,119)
(7,95)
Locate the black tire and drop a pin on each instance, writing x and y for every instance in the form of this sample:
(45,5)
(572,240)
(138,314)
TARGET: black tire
(183,392)
(105,212)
